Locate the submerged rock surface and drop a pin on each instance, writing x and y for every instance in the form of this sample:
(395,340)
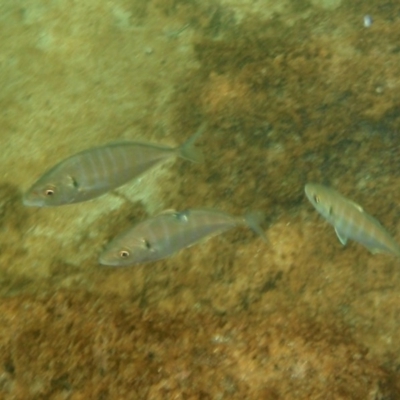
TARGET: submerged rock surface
(292,92)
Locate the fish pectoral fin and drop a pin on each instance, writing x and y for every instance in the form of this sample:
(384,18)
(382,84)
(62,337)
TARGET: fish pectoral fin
(357,206)
(341,237)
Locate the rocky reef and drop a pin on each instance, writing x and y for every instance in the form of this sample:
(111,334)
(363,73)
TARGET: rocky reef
(292,92)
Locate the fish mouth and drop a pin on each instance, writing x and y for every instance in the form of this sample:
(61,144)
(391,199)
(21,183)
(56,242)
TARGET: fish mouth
(309,191)
(32,202)
(108,262)
(307,188)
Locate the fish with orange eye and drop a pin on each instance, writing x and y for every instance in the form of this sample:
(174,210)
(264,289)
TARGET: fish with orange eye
(96,171)
(165,234)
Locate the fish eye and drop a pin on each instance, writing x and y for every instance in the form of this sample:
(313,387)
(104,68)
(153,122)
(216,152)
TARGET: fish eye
(316,198)
(49,192)
(124,254)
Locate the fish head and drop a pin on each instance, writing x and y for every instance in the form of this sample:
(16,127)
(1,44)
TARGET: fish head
(124,251)
(52,190)
(321,197)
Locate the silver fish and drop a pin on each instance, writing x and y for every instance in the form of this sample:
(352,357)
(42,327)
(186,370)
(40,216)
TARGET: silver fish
(98,170)
(167,233)
(350,220)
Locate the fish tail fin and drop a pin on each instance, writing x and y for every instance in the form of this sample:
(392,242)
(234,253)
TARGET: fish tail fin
(188,151)
(253,219)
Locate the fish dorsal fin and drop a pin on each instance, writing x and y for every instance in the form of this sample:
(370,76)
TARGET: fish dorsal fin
(341,237)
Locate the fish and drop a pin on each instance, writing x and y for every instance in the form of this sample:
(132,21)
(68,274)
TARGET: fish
(165,234)
(98,170)
(350,220)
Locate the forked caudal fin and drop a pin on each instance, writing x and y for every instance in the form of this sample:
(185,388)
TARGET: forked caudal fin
(253,219)
(188,151)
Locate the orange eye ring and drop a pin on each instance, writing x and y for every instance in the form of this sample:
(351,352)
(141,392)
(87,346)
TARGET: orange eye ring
(124,254)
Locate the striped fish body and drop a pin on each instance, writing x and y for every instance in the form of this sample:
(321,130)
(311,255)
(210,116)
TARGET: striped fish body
(96,171)
(165,234)
(350,220)
(93,172)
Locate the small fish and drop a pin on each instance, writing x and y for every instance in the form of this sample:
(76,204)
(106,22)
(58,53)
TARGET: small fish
(167,233)
(98,170)
(350,220)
